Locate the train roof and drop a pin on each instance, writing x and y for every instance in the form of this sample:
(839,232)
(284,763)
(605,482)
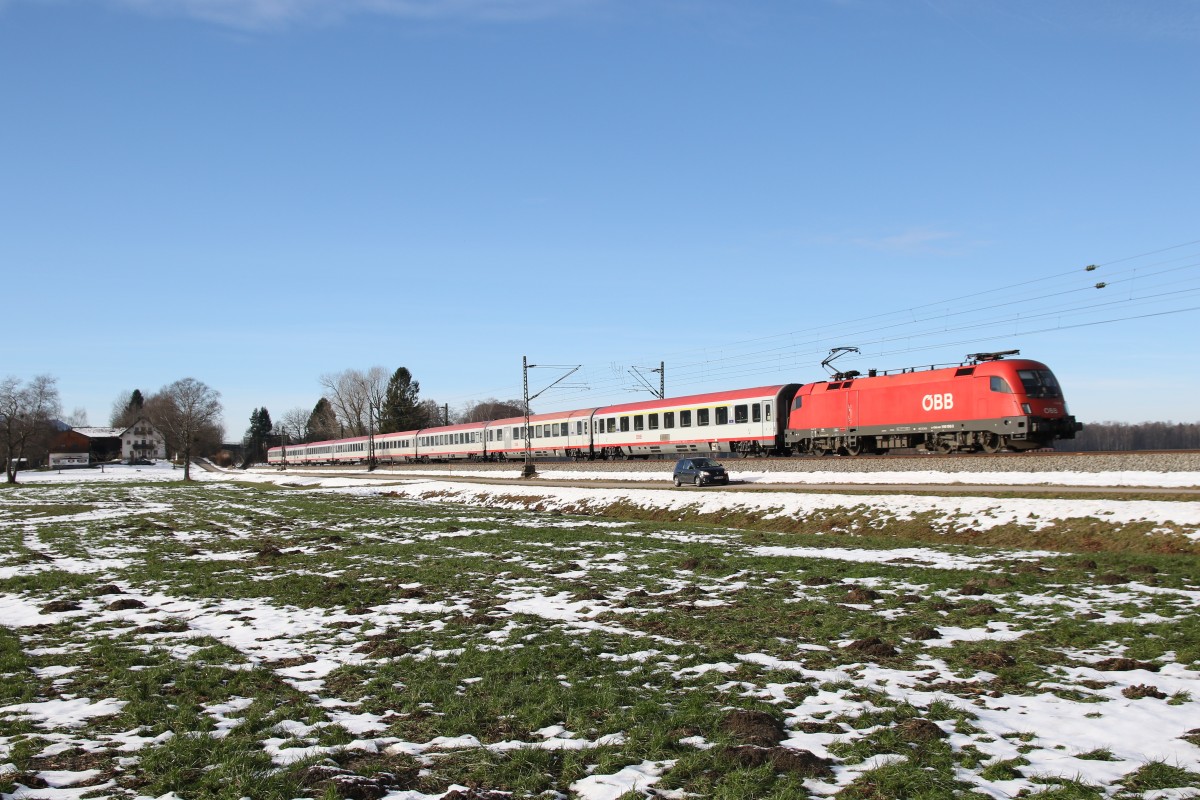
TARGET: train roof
(696,399)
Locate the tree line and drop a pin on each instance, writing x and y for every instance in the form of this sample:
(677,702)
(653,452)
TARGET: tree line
(358,402)
(1133,436)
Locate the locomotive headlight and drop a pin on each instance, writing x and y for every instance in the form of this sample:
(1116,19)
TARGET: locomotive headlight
(1026,409)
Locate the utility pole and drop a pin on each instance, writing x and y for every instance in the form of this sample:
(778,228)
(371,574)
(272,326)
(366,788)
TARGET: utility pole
(661,394)
(370,436)
(528,471)
(446,414)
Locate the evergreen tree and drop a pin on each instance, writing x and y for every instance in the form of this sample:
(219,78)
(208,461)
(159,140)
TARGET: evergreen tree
(128,412)
(258,435)
(322,423)
(401,404)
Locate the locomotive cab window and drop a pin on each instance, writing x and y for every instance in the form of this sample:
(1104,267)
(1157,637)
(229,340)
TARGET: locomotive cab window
(998,384)
(1039,383)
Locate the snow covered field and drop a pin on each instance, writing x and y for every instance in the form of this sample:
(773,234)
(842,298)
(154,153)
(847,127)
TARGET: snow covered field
(408,638)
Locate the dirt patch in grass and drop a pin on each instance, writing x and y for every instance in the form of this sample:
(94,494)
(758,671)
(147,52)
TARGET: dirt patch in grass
(753,727)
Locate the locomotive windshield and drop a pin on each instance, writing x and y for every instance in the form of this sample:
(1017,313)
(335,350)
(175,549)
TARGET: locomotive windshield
(1039,383)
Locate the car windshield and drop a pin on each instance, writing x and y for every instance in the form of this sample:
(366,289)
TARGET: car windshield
(1039,383)
(703,462)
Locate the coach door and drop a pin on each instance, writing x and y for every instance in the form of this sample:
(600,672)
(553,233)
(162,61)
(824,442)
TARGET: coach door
(852,415)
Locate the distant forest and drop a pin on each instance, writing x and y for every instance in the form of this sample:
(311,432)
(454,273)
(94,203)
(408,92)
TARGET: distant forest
(1139,436)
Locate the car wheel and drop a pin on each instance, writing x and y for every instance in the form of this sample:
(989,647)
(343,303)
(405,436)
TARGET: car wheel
(678,482)
(699,481)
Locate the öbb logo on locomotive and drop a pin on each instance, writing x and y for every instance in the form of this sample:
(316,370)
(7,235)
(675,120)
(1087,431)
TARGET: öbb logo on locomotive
(987,403)
(938,402)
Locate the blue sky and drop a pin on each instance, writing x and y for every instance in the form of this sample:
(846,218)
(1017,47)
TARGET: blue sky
(257,192)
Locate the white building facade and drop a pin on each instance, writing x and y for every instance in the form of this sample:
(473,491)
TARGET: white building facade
(142,441)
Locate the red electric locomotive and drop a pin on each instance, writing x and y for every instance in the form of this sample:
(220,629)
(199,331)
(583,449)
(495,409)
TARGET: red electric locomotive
(988,403)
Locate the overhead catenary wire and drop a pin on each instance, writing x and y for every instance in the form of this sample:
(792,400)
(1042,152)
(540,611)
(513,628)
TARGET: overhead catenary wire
(1066,295)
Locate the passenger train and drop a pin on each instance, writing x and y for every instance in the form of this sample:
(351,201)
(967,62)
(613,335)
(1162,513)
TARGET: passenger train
(988,403)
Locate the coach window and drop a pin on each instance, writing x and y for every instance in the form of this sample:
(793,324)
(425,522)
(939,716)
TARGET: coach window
(702,416)
(1000,385)
(668,419)
(685,419)
(537,431)
(741,414)
(756,411)
(767,410)
(612,424)
(624,424)
(652,421)
(722,415)
(638,421)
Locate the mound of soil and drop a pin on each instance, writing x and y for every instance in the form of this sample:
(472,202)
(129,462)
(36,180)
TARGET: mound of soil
(1143,690)
(1122,664)
(126,603)
(972,590)
(860,595)
(919,730)
(873,647)
(56,606)
(926,632)
(990,659)
(981,610)
(109,588)
(1111,579)
(819,580)
(753,727)
(783,759)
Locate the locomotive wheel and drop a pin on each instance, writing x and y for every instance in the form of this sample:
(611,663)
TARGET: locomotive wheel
(991,443)
(853,449)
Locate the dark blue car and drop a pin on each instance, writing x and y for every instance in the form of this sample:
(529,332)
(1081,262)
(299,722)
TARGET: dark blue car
(699,471)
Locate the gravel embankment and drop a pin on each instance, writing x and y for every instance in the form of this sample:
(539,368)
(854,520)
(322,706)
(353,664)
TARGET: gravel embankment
(1008,462)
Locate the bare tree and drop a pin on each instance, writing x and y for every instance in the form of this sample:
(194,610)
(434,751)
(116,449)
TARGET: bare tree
(356,397)
(186,413)
(345,393)
(490,409)
(78,418)
(294,424)
(433,413)
(27,413)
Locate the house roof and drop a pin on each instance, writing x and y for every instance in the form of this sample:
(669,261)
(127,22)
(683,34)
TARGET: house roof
(99,433)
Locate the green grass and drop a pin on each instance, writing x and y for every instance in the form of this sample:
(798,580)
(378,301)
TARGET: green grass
(409,614)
